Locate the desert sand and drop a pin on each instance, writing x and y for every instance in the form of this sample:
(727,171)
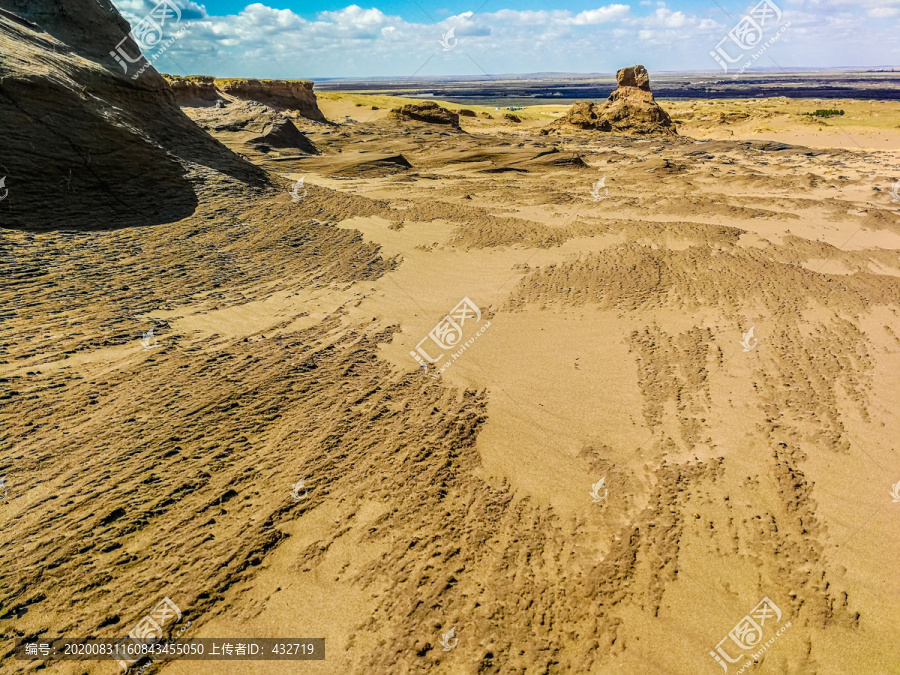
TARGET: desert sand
(679,398)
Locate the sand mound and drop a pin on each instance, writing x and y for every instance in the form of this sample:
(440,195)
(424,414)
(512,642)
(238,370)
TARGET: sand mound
(121,155)
(356,165)
(630,109)
(501,159)
(429,112)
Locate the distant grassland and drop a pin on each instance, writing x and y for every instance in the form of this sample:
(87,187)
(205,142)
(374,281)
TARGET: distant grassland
(857,113)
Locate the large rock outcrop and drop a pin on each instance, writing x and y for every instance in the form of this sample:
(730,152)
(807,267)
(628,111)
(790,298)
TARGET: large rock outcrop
(428,112)
(287,94)
(203,91)
(194,91)
(85,145)
(630,109)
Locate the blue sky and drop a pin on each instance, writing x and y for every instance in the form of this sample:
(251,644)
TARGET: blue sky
(399,38)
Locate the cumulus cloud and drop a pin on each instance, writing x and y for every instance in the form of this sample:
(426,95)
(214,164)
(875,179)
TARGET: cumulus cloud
(593,17)
(355,41)
(666,18)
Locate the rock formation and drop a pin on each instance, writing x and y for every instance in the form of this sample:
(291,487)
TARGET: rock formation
(251,128)
(630,109)
(429,112)
(201,91)
(636,76)
(86,146)
(281,134)
(194,91)
(288,94)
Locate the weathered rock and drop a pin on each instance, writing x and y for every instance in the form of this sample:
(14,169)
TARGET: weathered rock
(288,94)
(283,135)
(249,127)
(194,91)
(630,109)
(635,76)
(429,112)
(634,110)
(86,145)
(585,115)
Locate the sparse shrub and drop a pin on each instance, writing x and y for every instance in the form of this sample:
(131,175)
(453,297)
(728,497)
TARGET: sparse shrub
(512,118)
(466,113)
(829,112)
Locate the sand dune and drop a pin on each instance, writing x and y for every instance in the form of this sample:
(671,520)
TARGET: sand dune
(614,351)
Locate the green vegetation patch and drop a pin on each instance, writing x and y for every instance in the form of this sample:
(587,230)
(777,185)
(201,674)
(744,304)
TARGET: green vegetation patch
(190,79)
(826,112)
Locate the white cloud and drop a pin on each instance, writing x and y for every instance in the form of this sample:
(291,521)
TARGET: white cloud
(666,18)
(354,41)
(602,15)
(354,15)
